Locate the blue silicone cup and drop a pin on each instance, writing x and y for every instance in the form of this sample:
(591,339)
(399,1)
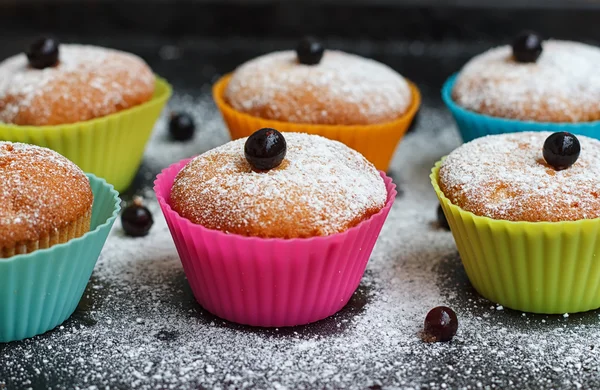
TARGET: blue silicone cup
(473,125)
(40,290)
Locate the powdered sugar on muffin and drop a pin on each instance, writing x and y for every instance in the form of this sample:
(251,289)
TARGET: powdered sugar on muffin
(563,85)
(41,192)
(322,187)
(88,82)
(505,177)
(343,89)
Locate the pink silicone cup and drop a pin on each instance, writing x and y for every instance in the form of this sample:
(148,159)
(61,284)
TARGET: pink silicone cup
(270,282)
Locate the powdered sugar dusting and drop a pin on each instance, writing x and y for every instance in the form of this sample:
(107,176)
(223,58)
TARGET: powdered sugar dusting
(563,85)
(341,89)
(506,177)
(139,327)
(322,185)
(40,190)
(90,81)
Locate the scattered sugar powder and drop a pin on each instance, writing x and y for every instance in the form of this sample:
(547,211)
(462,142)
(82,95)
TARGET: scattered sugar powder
(563,85)
(138,326)
(362,91)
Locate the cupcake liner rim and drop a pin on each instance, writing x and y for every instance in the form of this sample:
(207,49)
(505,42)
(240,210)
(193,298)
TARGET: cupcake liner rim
(499,121)
(434,176)
(158,183)
(166,90)
(219,89)
(109,221)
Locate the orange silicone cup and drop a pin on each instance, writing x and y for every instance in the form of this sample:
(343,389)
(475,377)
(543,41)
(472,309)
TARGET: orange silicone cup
(376,142)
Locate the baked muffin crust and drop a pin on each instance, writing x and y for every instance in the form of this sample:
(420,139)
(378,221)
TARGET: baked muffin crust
(40,193)
(505,177)
(343,89)
(88,82)
(563,85)
(322,187)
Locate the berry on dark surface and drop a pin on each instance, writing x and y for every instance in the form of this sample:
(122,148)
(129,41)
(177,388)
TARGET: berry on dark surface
(561,150)
(441,324)
(265,149)
(136,219)
(309,51)
(441,217)
(43,53)
(181,126)
(527,47)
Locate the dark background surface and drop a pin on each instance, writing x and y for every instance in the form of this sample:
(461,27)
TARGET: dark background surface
(192,43)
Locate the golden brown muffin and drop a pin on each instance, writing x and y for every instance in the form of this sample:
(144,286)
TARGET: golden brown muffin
(88,82)
(343,89)
(563,85)
(322,187)
(45,199)
(506,177)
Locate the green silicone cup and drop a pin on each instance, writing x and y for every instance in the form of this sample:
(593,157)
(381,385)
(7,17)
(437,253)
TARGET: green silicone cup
(538,267)
(111,147)
(40,290)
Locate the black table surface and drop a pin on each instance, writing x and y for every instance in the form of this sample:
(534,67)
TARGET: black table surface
(192,64)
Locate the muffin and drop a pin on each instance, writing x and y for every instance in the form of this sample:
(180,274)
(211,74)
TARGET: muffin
(275,230)
(524,209)
(44,199)
(358,101)
(533,85)
(95,106)
(87,82)
(322,188)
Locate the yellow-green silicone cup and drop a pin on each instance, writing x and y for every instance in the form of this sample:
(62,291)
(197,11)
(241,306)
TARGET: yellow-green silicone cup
(537,267)
(110,147)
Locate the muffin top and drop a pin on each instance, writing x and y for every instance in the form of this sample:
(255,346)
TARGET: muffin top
(40,191)
(321,187)
(88,82)
(506,177)
(342,89)
(563,85)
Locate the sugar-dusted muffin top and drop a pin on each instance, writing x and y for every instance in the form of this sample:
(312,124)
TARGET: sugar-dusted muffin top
(321,187)
(506,177)
(343,89)
(40,191)
(563,85)
(87,83)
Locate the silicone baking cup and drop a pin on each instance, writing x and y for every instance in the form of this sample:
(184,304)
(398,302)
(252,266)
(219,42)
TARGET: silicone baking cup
(376,142)
(270,282)
(538,267)
(40,290)
(110,147)
(473,125)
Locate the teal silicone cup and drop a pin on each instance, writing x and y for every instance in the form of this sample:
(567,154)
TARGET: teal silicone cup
(473,125)
(40,290)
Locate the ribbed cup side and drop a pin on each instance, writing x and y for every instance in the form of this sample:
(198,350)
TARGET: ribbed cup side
(40,290)
(270,282)
(111,147)
(538,267)
(376,142)
(473,125)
